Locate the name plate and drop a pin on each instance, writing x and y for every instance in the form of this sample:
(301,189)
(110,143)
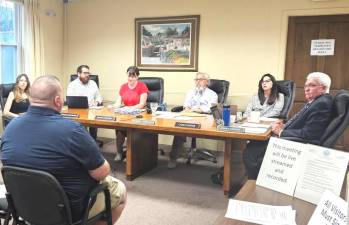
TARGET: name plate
(144,122)
(188,125)
(231,129)
(70,115)
(108,118)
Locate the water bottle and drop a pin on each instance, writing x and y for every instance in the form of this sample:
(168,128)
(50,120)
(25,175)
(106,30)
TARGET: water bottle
(226,115)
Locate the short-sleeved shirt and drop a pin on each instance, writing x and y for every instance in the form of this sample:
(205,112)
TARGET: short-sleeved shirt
(131,97)
(77,88)
(42,139)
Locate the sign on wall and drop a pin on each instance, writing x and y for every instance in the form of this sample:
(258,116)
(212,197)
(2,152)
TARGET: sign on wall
(322,47)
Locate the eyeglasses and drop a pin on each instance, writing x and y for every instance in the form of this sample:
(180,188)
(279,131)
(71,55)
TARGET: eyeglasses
(266,81)
(312,85)
(86,73)
(199,79)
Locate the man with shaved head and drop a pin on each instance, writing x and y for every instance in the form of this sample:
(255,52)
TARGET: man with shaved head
(42,139)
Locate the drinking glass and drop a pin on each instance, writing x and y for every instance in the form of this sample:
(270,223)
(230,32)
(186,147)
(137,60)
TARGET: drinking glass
(154,107)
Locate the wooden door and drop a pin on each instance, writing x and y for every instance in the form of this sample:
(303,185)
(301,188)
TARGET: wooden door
(299,62)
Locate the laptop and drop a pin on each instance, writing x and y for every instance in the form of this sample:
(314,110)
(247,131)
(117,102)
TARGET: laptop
(80,102)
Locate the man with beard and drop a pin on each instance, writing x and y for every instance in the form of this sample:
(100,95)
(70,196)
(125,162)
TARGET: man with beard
(199,100)
(83,86)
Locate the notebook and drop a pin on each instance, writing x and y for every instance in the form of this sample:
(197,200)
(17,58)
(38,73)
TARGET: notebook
(80,102)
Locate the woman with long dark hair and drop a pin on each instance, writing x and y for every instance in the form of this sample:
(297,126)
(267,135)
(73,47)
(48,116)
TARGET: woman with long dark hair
(269,102)
(18,99)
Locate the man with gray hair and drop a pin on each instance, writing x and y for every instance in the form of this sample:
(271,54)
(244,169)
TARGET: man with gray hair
(308,124)
(42,139)
(200,100)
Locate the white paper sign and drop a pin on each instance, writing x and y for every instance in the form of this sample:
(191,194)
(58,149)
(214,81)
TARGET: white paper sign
(281,165)
(331,210)
(323,169)
(322,47)
(260,213)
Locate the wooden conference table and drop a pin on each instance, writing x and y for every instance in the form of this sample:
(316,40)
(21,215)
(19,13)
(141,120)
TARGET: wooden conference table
(142,139)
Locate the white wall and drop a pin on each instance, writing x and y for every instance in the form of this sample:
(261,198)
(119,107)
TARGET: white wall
(239,40)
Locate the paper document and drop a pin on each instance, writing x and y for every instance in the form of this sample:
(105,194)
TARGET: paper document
(165,115)
(330,210)
(260,213)
(323,169)
(192,114)
(268,119)
(281,165)
(96,107)
(256,125)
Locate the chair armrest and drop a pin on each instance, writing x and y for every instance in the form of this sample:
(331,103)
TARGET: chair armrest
(177,109)
(97,189)
(93,193)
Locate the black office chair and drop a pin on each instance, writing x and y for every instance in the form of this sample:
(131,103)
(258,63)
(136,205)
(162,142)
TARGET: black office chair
(288,88)
(338,124)
(156,89)
(221,87)
(36,197)
(5,90)
(92,77)
(95,79)
(340,119)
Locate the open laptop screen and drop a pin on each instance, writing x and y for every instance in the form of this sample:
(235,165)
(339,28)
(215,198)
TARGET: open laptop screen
(80,102)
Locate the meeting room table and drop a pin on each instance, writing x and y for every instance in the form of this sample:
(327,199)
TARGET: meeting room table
(142,138)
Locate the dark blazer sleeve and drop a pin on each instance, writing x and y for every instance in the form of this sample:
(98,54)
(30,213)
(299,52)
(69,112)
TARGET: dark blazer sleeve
(311,125)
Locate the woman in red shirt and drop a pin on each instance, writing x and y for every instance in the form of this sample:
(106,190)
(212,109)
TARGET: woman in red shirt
(132,94)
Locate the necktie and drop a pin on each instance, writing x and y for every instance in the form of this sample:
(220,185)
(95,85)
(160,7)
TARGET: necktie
(295,117)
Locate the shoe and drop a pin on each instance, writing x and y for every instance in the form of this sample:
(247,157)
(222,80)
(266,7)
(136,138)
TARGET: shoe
(172,164)
(118,157)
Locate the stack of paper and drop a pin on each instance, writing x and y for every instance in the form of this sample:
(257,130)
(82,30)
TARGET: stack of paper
(128,111)
(260,213)
(255,128)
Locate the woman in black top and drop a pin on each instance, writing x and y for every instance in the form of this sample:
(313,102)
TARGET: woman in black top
(18,101)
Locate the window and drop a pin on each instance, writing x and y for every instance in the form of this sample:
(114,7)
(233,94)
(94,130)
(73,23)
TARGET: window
(10,41)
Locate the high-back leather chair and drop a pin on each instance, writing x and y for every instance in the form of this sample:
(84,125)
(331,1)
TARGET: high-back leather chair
(288,88)
(340,119)
(38,198)
(221,87)
(5,90)
(156,88)
(92,77)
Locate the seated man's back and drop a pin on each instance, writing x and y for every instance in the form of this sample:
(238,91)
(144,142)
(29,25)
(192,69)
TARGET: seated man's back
(42,139)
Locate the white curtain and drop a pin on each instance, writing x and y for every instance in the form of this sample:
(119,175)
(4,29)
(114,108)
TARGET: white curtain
(33,46)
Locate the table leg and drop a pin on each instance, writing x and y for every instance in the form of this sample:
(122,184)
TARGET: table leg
(142,153)
(234,171)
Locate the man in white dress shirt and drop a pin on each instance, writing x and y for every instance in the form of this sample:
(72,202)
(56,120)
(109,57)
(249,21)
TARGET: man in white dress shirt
(200,100)
(83,86)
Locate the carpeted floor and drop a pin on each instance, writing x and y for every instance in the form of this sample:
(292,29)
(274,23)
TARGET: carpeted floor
(182,196)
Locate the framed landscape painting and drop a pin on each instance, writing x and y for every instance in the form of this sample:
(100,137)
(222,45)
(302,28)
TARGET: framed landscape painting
(167,43)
